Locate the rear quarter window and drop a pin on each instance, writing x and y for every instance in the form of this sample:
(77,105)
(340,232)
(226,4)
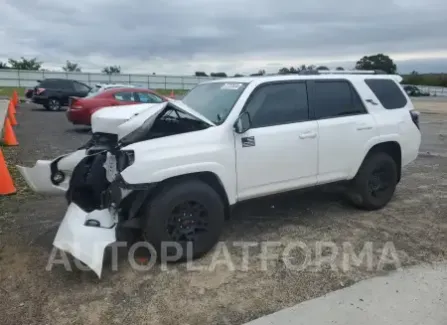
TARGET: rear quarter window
(387,92)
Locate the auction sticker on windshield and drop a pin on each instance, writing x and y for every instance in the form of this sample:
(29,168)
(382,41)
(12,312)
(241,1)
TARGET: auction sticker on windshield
(231,86)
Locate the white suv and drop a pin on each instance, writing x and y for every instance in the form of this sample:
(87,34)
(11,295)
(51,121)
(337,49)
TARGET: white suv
(171,171)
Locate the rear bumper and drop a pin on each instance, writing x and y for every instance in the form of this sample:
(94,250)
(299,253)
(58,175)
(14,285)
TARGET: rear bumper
(40,100)
(80,117)
(85,242)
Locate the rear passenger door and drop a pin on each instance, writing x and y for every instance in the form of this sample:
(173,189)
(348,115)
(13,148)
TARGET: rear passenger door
(124,98)
(66,89)
(344,127)
(279,152)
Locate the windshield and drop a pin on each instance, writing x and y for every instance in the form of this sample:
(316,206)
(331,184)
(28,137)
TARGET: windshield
(214,100)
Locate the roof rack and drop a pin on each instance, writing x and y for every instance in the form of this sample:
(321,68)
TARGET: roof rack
(316,72)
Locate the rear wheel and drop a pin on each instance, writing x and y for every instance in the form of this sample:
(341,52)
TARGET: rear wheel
(53,104)
(189,214)
(375,183)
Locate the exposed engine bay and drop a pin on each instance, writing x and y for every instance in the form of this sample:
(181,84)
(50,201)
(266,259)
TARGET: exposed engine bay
(95,183)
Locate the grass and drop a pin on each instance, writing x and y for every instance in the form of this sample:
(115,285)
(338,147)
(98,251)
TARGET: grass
(9,203)
(7,91)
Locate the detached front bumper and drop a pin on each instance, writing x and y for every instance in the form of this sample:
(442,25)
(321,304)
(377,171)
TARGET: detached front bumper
(39,177)
(86,235)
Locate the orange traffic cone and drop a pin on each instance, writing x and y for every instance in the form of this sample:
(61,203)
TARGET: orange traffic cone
(172,94)
(6,183)
(15,98)
(9,138)
(11,113)
(13,106)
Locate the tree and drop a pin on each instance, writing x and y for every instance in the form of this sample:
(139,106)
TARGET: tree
(322,67)
(306,68)
(377,62)
(113,69)
(201,74)
(24,64)
(257,74)
(339,69)
(3,65)
(237,75)
(284,71)
(218,74)
(71,67)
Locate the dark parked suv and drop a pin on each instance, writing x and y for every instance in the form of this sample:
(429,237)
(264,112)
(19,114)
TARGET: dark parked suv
(55,93)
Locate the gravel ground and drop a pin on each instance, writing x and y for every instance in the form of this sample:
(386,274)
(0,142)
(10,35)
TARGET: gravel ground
(415,222)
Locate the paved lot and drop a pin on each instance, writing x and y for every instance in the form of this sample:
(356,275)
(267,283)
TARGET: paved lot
(414,222)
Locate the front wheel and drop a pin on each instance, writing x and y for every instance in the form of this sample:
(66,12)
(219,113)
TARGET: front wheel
(187,217)
(375,183)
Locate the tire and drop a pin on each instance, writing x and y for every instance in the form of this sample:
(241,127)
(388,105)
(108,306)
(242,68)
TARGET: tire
(361,192)
(54,104)
(158,219)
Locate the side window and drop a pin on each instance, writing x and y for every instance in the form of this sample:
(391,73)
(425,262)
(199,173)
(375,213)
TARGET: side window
(48,83)
(387,92)
(66,85)
(124,96)
(148,98)
(335,98)
(277,104)
(81,87)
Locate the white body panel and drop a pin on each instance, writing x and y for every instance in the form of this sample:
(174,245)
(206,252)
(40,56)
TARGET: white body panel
(86,243)
(284,157)
(342,144)
(38,177)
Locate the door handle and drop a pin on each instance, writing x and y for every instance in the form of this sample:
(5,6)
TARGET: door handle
(308,135)
(364,127)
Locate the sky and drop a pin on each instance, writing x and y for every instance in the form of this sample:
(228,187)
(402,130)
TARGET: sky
(180,37)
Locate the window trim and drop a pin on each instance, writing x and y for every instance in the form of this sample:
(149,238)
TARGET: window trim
(270,83)
(353,90)
(400,89)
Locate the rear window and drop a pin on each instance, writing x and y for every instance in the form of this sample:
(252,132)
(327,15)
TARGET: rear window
(388,92)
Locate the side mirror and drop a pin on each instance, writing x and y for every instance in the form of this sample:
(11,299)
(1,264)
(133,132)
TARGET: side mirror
(243,123)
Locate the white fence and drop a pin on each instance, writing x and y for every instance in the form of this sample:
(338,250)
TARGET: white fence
(25,79)
(434,91)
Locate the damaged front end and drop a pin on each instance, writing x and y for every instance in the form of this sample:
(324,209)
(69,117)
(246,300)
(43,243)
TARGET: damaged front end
(101,205)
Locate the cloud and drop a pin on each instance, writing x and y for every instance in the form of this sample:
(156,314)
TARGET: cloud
(179,36)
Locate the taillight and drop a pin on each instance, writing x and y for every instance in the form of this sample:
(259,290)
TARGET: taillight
(76,106)
(40,91)
(415,118)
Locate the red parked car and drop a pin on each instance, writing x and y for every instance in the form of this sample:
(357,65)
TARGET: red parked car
(81,109)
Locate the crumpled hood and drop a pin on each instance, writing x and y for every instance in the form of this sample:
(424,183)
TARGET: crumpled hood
(122,120)
(108,118)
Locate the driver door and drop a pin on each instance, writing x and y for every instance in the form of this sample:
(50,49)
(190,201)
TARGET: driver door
(280,150)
